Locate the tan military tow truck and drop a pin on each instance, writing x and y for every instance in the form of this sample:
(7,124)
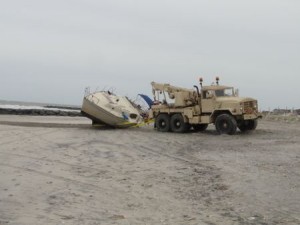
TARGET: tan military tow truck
(178,109)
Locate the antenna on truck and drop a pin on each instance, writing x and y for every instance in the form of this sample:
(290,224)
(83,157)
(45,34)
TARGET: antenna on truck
(201,81)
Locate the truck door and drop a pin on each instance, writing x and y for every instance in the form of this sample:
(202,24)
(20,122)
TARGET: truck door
(207,102)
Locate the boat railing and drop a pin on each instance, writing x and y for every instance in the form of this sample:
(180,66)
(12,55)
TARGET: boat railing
(87,91)
(111,90)
(94,99)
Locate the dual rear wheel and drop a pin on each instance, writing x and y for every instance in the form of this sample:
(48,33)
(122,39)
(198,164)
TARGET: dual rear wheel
(178,125)
(162,122)
(175,123)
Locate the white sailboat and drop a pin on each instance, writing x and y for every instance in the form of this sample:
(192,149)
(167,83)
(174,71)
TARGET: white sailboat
(104,107)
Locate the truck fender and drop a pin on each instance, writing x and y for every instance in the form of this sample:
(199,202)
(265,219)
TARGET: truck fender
(216,113)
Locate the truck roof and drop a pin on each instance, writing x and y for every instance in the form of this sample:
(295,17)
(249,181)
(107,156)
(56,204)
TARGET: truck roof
(214,87)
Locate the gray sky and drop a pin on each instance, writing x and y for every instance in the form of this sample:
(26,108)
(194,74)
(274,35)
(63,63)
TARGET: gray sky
(51,50)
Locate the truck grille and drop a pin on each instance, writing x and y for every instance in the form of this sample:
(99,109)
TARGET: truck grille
(249,107)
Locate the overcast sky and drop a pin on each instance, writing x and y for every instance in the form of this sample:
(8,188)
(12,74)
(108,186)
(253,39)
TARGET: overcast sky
(51,50)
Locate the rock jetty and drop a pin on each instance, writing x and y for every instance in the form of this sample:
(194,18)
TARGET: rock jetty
(41,112)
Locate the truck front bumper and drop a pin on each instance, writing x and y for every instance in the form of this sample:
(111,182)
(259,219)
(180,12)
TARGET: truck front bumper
(252,116)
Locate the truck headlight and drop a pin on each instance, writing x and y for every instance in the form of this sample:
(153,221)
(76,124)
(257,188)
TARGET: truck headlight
(255,106)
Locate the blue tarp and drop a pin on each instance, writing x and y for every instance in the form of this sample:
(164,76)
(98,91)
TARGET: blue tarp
(147,99)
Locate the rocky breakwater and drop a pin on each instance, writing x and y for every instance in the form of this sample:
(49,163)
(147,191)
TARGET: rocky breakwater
(40,111)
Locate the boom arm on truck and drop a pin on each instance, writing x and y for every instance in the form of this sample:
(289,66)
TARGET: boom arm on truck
(182,96)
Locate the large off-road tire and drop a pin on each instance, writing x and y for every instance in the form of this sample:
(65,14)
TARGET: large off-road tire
(162,122)
(226,124)
(252,124)
(247,125)
(178,125)
(200,127)
(243,126)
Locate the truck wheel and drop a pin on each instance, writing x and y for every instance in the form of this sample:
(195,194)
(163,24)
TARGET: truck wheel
(247,125)
(226,124)
(243,126)
(200,127)
(178,125)
(252,124)
(162,122)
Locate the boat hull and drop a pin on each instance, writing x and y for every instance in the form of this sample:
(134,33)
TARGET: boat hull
(99,115)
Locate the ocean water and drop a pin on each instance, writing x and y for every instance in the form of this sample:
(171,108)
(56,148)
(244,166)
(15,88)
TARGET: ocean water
(4,102)
(26,105)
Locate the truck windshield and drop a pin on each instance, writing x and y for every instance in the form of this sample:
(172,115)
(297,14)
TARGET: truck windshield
(225,92)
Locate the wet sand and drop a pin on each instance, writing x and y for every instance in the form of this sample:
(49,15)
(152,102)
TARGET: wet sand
(60,170)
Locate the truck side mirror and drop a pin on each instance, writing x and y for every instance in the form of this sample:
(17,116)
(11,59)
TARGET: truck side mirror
(236,92)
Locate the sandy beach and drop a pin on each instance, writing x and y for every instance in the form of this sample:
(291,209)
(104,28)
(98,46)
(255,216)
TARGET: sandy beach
(61,170)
